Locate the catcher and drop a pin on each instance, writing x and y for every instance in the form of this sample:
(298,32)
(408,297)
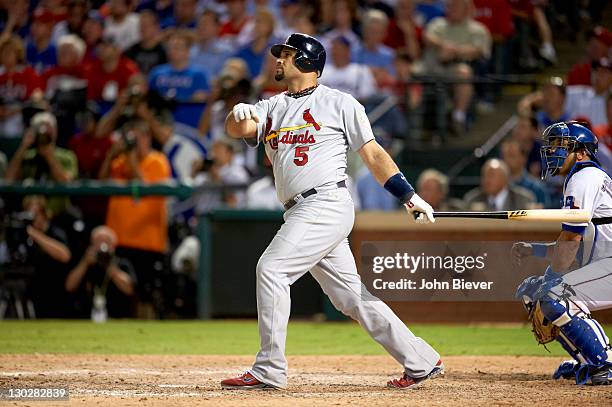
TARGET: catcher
(559,304)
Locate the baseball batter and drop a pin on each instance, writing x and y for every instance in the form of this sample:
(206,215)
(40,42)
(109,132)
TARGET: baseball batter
(307,132)
(566,299)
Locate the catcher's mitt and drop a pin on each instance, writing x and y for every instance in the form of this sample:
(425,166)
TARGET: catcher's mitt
(543,329)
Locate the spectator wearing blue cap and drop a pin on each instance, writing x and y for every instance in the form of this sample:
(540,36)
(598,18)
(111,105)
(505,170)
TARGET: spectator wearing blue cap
(162,8)
(184,15)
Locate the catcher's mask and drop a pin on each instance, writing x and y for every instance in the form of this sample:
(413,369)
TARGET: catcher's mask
(561,139)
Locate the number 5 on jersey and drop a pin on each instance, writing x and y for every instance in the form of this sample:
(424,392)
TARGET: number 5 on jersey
(301,158)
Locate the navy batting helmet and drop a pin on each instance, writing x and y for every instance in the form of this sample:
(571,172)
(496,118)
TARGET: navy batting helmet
(561,139)
(310,56)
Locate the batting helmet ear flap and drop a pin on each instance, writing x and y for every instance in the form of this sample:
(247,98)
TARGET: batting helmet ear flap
(304,64)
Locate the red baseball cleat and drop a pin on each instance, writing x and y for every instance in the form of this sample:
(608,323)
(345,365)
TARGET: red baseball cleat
(406,382)
(245,381)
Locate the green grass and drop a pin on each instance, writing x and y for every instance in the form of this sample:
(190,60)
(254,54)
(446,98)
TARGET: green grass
(240,338)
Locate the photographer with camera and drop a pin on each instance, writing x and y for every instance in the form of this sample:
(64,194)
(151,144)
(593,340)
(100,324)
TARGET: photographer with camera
(45,161)
(141,224)
(137,102)
(104,283)
(48,254)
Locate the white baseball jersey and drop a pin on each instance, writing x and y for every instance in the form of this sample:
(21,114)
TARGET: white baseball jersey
(306,138)
(590,188)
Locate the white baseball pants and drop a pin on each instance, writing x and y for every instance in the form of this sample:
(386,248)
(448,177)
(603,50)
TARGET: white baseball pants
(314,238)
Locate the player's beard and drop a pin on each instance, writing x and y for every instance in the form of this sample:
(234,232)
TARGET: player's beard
(279,75)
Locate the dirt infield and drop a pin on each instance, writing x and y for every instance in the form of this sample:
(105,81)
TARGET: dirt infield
(325,380)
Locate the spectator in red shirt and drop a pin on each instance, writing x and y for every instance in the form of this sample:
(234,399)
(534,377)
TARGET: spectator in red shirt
(599,41)
(70,73)
(110,73)
(17,83)
(239,25)
(66,85)
(496,15)
(90,147)
(403,33)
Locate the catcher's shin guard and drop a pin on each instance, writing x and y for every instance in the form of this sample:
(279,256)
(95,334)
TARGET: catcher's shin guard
(580,335)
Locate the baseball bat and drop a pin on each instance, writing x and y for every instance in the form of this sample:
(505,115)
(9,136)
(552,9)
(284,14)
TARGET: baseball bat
(547,215)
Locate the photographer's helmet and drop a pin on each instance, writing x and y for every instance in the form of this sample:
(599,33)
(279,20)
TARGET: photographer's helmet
(561,139)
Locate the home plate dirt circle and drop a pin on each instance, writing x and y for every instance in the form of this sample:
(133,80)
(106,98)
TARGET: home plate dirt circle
(161,380)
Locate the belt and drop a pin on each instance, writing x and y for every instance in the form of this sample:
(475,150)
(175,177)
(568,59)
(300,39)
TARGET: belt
(300,197)
(602,221)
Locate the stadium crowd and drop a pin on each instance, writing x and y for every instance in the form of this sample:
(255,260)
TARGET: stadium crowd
(129,90)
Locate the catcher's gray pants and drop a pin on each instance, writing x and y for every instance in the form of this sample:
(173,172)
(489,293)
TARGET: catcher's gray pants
(592,284)
(314,238)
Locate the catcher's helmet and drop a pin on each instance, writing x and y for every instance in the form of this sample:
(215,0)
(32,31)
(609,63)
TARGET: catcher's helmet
(561,139)
(310,56)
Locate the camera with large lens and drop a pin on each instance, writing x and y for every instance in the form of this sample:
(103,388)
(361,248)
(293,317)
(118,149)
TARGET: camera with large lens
(135,96)
(129,139)
(18,242)
(104,256)
(43,134)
